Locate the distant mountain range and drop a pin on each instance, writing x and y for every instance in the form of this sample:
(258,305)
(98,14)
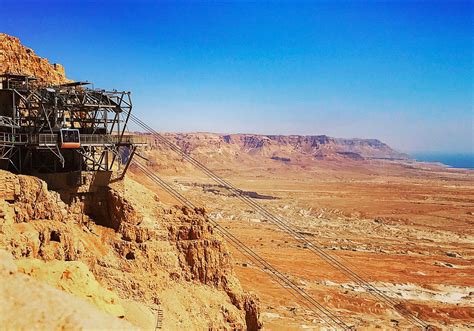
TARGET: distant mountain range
(285,148)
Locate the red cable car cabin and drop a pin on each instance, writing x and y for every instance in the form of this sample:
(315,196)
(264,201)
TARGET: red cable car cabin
(70,138)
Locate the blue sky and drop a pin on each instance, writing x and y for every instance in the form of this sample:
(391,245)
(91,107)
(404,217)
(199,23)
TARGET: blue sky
(398,71)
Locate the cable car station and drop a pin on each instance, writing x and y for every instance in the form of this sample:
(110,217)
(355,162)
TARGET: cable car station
(65,130)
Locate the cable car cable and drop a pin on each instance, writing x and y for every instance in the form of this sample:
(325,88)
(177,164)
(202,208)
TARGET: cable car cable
(283,224)
(282,280)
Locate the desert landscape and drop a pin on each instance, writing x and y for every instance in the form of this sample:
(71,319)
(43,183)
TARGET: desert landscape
(131,256)
(406,225)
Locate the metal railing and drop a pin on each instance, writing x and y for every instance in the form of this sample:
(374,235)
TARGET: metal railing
(13,138)
(48,139)
(131,139)
(44,139)
(52,139)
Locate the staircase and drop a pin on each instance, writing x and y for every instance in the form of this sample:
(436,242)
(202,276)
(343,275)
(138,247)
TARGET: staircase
(159,319)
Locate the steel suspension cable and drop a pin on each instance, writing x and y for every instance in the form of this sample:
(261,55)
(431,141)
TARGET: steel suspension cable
(283,224)
(322,312)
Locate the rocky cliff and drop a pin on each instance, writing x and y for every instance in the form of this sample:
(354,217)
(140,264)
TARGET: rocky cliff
(284,148)
(18,59)
(157,258)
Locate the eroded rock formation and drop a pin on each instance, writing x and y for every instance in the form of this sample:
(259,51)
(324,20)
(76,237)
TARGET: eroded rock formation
(18,59)
(154,256)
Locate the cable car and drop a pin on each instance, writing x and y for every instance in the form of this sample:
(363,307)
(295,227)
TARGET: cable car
(70,138)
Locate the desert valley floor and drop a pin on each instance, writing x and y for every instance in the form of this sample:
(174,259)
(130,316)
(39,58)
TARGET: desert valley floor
(406,227)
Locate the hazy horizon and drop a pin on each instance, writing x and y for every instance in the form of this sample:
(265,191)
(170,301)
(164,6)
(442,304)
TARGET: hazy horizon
(400,72)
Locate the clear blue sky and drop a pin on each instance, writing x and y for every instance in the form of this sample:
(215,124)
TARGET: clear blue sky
(398,71)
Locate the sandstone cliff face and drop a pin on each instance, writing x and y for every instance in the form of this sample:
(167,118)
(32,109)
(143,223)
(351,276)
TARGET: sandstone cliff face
(205,258)
(18,59)
(156,257)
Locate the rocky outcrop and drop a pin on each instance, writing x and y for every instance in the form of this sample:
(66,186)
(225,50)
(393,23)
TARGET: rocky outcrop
(36,202)
(205,258)
(153,256)
(18,59)
(121,212)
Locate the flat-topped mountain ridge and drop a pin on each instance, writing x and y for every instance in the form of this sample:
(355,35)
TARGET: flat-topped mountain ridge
(286,147)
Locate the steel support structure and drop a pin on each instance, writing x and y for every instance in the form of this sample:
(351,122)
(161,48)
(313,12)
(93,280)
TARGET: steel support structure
(37,113)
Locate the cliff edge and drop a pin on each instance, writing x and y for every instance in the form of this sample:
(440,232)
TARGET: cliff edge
(18,59)
(162,265)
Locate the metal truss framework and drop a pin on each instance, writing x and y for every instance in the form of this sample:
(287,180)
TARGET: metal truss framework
(29,131)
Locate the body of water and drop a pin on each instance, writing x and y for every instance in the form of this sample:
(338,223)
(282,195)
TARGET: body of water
(455,160)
